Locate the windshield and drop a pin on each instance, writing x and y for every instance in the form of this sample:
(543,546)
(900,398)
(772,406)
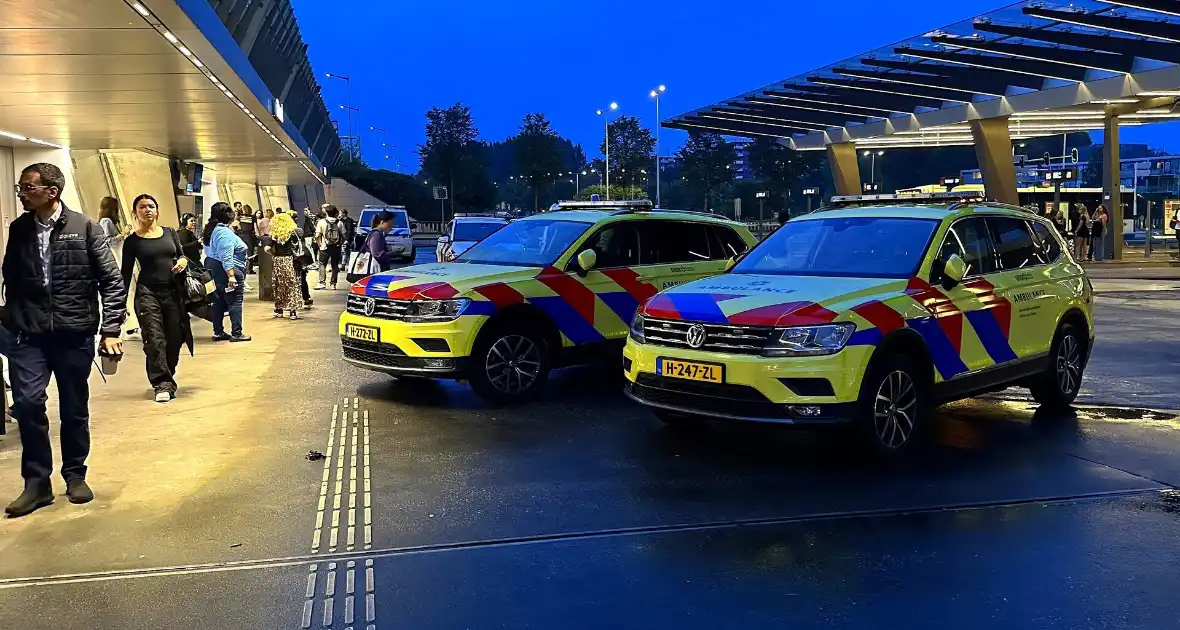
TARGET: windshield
(475,230)
(400,219)
(532,243)
(865,247)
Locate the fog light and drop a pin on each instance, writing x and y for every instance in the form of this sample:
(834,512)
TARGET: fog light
(626,365)
(437,363)
(809,411)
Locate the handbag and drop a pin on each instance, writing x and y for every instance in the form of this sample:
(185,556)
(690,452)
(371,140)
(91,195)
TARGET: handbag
(198,284)
(300,252)
(362,264)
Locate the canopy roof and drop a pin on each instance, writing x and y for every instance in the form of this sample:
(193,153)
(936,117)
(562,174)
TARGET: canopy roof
(1052,69)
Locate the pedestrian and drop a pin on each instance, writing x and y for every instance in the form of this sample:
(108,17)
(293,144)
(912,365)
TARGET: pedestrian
(375,243)
(1059,221)
(110,219)
(264,223)
(159,302)
(309,222)
(248,233)
(329,238)
(284,244)
(190,243)
(1098,233)
(349,233)
(1081,231)
(225,260)
(783,217)
(56,266)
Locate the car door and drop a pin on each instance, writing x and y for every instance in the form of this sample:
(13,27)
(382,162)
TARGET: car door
(614,281)
(676,252)
(1021,283)
(959,334)
(444,240)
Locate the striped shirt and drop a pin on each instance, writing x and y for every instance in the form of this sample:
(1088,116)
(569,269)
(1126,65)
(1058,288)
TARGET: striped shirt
(227,248)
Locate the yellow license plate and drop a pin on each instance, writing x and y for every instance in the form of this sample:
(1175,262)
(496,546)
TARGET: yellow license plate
(690,370)
(362,333)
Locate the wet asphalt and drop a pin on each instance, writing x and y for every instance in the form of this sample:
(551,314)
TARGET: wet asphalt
(580,510)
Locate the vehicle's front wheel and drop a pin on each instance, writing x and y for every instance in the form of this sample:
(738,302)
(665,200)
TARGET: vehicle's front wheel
(892,406)
(509,365)
(1059,385)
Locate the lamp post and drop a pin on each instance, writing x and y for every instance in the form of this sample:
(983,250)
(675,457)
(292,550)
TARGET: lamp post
(384,141)
(348,88)
(656,95)
(355,139)
(873,168)
(606,125)
(578,182)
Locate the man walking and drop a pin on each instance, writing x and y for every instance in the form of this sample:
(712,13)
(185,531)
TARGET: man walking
(349,233)
(329,238)
(56,265)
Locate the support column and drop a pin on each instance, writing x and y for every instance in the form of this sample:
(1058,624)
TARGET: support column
(1112,189)
(845,168)
(993,151)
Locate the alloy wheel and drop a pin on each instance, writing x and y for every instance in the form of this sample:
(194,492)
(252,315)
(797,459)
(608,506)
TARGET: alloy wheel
(895,409)
(513,364)
(1069,364)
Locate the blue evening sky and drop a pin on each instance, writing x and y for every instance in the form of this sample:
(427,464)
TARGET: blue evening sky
(566,58)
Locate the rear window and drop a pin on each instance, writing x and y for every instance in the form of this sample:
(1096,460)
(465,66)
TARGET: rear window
(400,218)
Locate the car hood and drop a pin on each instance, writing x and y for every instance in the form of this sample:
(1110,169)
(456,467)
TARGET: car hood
(770,300)
(439,280)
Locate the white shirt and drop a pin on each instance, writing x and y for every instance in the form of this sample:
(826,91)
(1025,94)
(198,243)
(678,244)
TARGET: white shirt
(44,230)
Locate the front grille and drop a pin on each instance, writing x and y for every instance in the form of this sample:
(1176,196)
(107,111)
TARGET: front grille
(720,398)
(376,353)
(718,337)
(383,308)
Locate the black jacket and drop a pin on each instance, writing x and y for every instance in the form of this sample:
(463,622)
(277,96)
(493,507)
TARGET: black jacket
(81,266)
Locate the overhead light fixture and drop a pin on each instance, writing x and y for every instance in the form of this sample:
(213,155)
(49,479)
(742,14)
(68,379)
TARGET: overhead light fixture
(14,136)
(1117,101)
(729,132)
(1164,93)
(46,143)
(170,37)
(139,8)
(885,77)
(803,99)
(184,51)
(817,109)
(738,117)
(885,91)
(982,63)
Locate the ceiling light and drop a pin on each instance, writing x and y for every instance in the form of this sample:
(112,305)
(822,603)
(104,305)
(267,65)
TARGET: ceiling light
(14,136)
(814,126)
(170,37)
(186,52)
(197,63)
(139,8)
(1164,93)
(884,91)
(45,143)
(1117,101)
(917,55)
(729,132)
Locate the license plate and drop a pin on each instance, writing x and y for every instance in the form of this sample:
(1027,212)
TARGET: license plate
(691,370)
(362,333)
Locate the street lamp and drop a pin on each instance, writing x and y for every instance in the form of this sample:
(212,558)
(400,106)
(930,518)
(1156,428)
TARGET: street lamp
(348,87)
(873,168)
(656,95)
(606,125)
(355,139)
(384,141)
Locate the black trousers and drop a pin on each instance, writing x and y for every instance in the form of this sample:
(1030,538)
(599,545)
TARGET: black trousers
(66,357)
(159,313)
(330,255)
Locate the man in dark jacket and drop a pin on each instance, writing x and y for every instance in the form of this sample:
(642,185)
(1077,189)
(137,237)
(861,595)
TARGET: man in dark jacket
(56,265)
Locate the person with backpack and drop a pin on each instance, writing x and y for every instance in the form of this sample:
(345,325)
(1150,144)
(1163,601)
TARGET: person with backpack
(329,239)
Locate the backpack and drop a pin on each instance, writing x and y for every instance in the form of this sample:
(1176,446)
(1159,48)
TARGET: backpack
(333,236)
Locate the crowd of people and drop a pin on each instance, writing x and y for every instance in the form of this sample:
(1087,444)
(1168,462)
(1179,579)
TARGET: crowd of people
(1084,230)
(69,279)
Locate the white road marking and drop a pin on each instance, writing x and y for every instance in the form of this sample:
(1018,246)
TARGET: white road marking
(307,610)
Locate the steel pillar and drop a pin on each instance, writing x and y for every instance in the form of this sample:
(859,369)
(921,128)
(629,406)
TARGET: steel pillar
(845,168)
(993,151)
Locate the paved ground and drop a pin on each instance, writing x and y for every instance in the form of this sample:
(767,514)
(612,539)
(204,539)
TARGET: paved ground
(433,510)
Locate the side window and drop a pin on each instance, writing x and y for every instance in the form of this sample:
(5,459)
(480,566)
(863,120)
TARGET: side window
(1048,249)
(666,242)
(616,245)
(968,238)
(1014,243)
(726,242)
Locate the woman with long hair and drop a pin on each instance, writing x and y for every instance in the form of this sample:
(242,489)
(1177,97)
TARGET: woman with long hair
(1081,232)
(189,241)
(159,303)
(110,218)
(264,223)
(284,242)
(1098,233)
(225,259)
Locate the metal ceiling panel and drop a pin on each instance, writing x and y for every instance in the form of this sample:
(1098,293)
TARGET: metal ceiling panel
(162,83)
(80,41)
(113,98)
(48,14)
(1071,57)
(1127,47)
(97,63)
(1159,29)
(1043,69)
(996,77)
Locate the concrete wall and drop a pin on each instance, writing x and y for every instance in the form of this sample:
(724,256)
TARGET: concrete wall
(245,193)
(93,183)
(10,207)
(24,156)
(134,173)
(306,197)
(345,196)
(274,197)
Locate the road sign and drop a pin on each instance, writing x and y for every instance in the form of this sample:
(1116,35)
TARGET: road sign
(872,188)
(440,193)
(810,191)
(762,194)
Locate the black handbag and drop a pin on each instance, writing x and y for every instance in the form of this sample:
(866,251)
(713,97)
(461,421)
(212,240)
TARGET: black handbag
(300,252)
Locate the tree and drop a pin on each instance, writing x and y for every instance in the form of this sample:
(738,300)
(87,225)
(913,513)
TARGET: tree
(631,146)
(453,156)
(781,169)
(536,151)
(705,161)
(392,188)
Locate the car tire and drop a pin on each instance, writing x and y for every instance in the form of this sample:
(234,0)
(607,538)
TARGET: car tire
(1059,385)
(410,258)
(509,364)
(893,405)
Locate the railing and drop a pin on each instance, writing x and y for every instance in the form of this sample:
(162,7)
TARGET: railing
(428,228)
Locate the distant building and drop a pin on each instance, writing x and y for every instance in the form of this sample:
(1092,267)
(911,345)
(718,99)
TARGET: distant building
(1149,175)
(741,161)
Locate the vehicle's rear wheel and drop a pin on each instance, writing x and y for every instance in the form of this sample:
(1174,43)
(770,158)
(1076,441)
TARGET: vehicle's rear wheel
(892,406)
(1059,385)
(508,365)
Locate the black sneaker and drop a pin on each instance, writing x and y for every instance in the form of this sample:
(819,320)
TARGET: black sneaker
(36,496)
(222,337)
(238,338)
(78,492)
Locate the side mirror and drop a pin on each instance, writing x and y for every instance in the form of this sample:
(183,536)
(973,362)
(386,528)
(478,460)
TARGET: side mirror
(732,262)
(586,260)
(444,239)
(953,271)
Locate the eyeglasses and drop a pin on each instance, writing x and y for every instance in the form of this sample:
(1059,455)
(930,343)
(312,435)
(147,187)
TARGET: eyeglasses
(28,188)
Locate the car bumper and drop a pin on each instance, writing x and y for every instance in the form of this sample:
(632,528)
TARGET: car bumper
(754,389)
(439,349)
(401,246)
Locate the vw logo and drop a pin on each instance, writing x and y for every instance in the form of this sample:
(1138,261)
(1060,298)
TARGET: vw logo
(696,336)
(370,306)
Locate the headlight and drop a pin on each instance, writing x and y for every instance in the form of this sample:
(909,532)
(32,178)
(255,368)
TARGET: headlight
(436,310)
(810,340)
(637,328)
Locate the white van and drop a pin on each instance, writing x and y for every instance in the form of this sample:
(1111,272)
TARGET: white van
(400,239)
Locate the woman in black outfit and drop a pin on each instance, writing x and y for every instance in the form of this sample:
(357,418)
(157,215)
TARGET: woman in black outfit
(159,302)
(190,243)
